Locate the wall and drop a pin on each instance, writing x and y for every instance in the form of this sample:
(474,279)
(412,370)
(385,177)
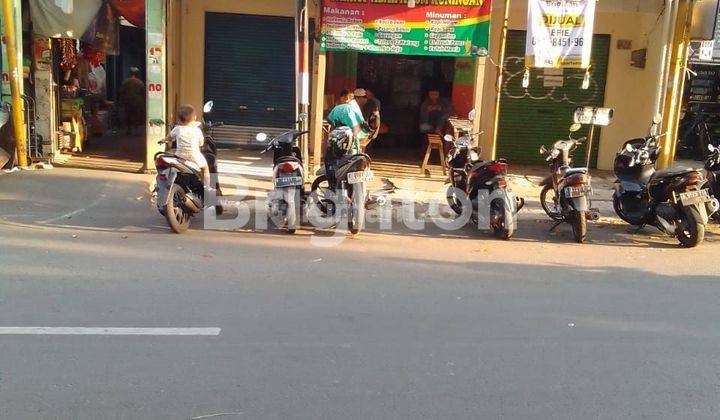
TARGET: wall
(190,58)
(630,91)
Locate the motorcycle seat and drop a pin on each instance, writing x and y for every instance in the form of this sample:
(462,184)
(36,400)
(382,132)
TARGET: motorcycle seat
(575,171)
(671,173)
(284,159)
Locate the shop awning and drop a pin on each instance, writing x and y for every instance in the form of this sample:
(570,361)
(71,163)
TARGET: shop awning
(132,10)
(63,18)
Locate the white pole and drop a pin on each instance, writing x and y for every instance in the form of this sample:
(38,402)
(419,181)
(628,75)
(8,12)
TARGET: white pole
(668,25)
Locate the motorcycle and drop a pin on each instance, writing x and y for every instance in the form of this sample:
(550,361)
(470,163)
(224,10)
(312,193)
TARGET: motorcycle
(288,198)
(570,188)
(349,186)
(712,168)
(180,190)
(477,180)
(672,200)
(7,139)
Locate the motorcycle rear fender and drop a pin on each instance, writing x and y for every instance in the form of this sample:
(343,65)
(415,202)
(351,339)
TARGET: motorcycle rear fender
(164,185)
(507,197)
(580,204)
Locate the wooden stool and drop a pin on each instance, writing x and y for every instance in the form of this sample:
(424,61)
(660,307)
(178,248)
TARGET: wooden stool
(434,143)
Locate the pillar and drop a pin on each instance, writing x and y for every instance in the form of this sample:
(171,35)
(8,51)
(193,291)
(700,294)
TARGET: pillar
(155,49)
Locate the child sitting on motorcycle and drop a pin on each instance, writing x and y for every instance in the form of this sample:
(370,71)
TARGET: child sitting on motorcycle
(189,139)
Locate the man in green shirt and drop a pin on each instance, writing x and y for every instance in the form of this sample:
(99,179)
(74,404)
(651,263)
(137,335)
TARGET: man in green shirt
(345,115)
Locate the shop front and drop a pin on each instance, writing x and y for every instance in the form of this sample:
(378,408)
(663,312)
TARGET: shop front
(421,64)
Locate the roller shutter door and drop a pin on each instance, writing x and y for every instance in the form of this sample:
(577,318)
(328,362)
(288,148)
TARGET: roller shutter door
(542,113)
(250,74)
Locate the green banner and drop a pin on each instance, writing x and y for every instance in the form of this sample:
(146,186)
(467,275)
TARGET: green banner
(454,28)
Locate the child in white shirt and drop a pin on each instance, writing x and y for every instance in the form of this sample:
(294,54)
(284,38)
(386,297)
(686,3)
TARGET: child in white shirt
(190,138)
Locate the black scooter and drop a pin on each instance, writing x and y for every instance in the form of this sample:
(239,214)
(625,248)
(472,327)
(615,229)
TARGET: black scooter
(566,193)
(288,198)
(180,190)
(712,168)
(480,181)
(672,200)
(348,188)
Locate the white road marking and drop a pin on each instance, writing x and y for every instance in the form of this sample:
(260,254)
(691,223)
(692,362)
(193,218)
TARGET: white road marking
(68,215)
(108,331)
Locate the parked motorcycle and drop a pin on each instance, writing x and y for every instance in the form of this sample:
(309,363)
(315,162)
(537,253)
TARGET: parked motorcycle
(180,190)
(566,193)
(672,200)
(712,168)
(480,181)
(7,139)
(288,198)
(349,186)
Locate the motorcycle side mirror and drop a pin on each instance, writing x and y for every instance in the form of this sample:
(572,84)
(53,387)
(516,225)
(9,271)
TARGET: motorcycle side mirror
(711,148)
(472,115)
(575,128)
(543,150)
(629,148)
(208,107)
(448,138)
(657,119)
(261,137)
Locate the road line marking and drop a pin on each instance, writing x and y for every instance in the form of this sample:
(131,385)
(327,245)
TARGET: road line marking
(108,331)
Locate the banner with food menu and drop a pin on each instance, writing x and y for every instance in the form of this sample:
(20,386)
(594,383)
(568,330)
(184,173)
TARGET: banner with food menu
(560,33)
(452,28)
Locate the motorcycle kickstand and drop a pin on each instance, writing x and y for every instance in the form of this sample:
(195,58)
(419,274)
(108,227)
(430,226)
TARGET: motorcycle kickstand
(556,225)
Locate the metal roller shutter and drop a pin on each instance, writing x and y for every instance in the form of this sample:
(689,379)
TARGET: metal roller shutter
(250,73)
(541,115)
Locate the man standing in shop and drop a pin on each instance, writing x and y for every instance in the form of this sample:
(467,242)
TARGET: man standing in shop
(132,97)
(434,113)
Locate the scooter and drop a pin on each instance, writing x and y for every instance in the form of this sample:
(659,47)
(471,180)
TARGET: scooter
(480,181)
(349,186)
(672,200)
(570,188)
(7,139)
(712,169)
(288,198)
(180,190)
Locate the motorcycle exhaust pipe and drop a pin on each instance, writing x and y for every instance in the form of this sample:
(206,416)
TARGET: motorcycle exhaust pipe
(593,215)
(713,206)
(189,204)
(380,201)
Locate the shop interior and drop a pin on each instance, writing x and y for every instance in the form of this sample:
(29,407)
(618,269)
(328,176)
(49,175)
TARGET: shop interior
(700,121)
(401,84)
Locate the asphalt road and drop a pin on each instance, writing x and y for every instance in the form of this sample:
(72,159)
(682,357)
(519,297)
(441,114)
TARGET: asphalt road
(391,325)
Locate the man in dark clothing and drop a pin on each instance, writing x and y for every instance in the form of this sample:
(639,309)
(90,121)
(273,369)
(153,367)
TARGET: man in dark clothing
(434,113)
(132,97)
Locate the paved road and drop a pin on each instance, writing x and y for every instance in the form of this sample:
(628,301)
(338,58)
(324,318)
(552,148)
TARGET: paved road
(398,325)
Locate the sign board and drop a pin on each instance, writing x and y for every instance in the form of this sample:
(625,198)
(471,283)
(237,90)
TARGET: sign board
(560,33)
(589,115)
(706,50)
(431,28)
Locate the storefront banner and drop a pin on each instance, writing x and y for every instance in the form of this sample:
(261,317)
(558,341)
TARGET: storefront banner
(560,33)
(451,28)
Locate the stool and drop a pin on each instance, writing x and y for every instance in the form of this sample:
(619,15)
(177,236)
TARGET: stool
(434,143)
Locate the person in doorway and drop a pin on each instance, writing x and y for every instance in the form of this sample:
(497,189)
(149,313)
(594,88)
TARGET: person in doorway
(132,97)
(190,138)
(370,109)
(343,116)
(434,113)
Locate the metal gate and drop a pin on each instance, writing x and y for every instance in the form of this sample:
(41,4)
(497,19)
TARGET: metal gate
(542,113)
(250,73)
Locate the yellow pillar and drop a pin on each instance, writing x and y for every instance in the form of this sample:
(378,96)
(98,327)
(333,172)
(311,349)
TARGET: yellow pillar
(676,83)
(317,116)
(15,76)
(492,152)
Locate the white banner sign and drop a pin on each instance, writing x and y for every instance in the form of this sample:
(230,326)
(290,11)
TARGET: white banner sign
(706,50)
(559,33)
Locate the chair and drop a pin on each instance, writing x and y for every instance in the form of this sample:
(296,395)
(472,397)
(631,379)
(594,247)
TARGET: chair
(434,142)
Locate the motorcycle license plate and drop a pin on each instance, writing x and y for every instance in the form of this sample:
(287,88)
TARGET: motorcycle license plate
(288,181)
(575,192)
(358,177)
(694,197)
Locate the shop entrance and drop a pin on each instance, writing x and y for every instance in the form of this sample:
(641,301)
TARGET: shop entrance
(101,99)
(401,83)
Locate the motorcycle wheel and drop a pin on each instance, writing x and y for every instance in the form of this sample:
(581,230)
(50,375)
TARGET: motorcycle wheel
(501,217)
(291,215)
(579,226)
(550,204)
(177,217)
(319,191)
(690,232)
(356,218)
(452,201)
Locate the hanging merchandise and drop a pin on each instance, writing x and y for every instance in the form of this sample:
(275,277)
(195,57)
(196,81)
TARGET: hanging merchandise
(560,33)
(68,54)
(132,10)
(93,56)
(63,19)
(104,31)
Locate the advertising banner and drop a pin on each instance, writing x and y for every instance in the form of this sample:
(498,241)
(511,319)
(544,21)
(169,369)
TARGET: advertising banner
(560,33)
(451,28)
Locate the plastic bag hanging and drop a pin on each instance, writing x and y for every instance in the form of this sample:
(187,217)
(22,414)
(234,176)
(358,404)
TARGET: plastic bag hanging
(526,78)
